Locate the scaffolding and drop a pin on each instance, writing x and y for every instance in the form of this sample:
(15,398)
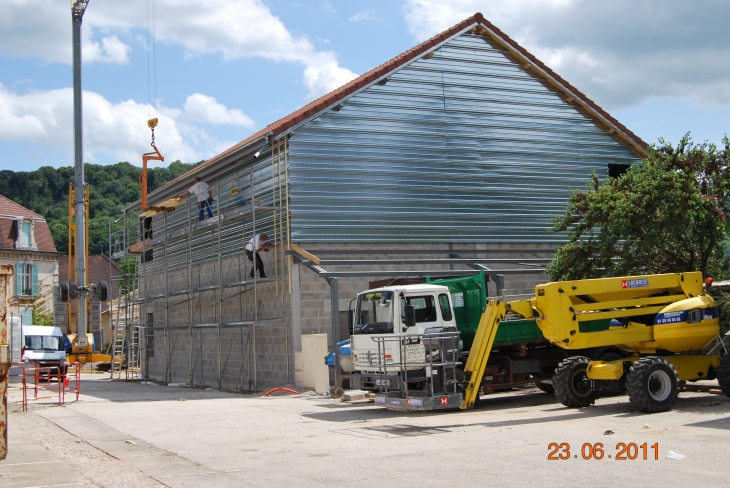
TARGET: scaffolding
(125,310)
(184,281)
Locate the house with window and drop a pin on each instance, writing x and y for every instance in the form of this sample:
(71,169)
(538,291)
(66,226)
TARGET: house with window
(26,244)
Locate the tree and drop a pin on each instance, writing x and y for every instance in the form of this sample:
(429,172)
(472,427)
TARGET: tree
(668,214)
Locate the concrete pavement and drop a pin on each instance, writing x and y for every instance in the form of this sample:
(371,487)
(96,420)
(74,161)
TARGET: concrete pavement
(148,435)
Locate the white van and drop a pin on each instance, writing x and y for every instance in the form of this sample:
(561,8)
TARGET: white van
(43,345)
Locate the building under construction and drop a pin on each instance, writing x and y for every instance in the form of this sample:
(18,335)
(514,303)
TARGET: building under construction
(450,158)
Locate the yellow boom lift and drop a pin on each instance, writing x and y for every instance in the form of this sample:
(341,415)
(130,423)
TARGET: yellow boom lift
(663,321)
(80,353)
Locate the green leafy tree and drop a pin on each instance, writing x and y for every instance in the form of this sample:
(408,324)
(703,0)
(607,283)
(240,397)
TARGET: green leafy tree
(668,214)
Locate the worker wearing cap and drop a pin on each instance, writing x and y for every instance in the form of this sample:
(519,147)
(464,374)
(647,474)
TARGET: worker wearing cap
(203,193)
(256,244)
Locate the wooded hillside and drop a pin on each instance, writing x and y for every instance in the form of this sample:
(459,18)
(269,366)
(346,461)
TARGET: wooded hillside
(45,191)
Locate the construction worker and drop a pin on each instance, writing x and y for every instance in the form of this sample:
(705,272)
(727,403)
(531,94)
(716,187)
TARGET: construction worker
(256,244)
(204,194)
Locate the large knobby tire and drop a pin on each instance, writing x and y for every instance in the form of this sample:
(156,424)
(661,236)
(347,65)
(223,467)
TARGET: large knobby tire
(546,386)
(653,384)
(572,386)
(723,374)
(103,291)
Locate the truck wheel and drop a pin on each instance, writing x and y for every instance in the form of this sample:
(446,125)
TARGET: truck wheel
(653,385)
(572,386)
(546,386)
(723,374)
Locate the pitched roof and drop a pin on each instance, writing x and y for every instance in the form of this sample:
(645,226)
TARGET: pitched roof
(9,208)
(482,27)
(9,212)
(41,232)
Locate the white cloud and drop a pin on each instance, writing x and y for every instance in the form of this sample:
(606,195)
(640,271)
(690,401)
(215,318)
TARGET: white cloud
(364,15)
(202,108)
(327,8)
(620,53)
(234,29)
(43,29)
(116,130)
(111,50)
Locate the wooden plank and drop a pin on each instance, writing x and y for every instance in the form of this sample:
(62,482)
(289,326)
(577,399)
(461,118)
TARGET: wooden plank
(138,247)
(302,252)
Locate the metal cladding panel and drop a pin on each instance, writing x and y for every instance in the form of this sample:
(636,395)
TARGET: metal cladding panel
(462,147)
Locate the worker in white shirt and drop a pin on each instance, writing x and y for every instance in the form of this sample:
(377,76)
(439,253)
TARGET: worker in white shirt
(203,193)
(256,244)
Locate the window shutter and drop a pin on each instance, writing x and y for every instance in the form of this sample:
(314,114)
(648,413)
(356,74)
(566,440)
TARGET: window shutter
(19,279)
(27,316)
(35,280)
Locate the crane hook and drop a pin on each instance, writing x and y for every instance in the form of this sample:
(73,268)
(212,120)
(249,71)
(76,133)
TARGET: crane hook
(152,123)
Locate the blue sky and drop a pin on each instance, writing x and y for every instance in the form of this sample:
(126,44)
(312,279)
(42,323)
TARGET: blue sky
(227,68)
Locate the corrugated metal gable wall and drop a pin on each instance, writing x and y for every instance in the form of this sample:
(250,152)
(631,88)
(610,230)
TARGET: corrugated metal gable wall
(462,147)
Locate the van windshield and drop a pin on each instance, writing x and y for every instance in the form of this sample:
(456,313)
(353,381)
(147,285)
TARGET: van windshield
(375,313)
(43,343)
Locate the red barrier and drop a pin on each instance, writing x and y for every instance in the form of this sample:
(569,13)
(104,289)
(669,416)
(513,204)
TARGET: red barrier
(63,373)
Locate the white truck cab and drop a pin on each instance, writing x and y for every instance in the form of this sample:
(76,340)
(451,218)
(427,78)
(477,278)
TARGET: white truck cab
(43,344)
(380,320)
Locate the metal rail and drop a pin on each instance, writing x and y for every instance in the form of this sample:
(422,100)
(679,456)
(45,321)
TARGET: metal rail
(433,366)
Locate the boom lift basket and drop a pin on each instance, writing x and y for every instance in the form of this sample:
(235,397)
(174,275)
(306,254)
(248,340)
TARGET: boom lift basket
(429,360)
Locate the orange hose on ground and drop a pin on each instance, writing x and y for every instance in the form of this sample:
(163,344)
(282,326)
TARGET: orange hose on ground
(274,390)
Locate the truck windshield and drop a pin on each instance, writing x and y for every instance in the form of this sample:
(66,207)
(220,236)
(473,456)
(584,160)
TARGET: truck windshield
(43,343)
(375,313)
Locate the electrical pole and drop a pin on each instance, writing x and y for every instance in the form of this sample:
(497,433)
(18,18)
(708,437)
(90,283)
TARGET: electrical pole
(78,7)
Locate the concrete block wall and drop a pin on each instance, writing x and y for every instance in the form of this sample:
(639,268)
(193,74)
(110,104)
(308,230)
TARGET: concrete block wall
(274,361)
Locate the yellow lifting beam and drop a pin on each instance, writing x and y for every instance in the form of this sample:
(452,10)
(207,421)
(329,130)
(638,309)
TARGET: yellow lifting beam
(476,363)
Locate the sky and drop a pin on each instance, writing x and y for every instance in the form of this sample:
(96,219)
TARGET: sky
(216,71)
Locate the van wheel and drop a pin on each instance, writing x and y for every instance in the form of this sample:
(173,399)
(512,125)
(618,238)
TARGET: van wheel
(571,383)
(652,384)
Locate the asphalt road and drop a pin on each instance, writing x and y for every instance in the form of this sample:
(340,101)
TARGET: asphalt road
(131,434)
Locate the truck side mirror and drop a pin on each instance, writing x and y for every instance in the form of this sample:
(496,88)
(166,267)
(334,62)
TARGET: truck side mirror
(350,321)
(410,311)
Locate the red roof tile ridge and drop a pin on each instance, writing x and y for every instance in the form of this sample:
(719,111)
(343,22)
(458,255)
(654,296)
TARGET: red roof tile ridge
(336,95)
(331,98)
(12,209)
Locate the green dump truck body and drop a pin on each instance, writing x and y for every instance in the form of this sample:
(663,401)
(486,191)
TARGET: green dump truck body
(469,298)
